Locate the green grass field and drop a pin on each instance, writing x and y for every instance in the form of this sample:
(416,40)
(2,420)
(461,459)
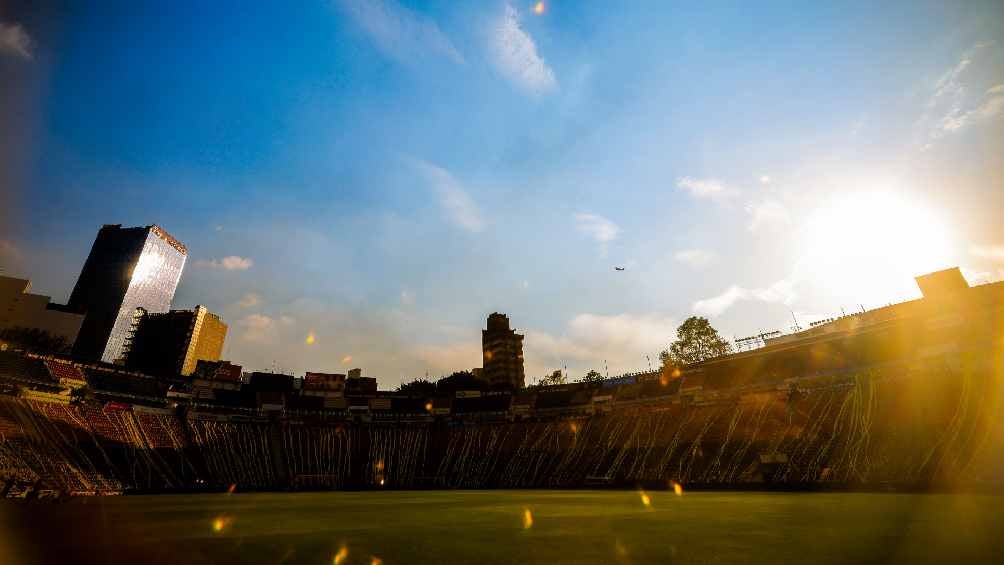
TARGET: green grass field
(487,527)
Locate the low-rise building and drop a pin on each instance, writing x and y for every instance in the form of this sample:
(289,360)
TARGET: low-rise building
(19,309)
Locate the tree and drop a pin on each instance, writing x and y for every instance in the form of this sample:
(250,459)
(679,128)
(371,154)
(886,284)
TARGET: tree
(35,340)
(418,387)
(592,376)
(696,341)
(555,378)
(459,380)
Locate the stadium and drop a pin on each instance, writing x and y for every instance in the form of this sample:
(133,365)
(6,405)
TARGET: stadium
(904,399)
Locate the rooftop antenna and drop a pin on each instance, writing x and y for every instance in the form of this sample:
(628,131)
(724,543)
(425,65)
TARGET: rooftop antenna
(606,368)
(649,359)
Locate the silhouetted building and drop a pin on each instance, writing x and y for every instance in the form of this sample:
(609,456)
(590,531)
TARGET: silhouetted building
(21,309)
(502,352)
(171,343)
(359,385)
(221,371)
(127,268)
(323,384)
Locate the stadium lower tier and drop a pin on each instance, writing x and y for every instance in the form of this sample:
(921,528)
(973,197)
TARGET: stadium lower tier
(931,425)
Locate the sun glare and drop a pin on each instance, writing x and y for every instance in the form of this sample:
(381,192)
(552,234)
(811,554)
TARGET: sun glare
(867,247)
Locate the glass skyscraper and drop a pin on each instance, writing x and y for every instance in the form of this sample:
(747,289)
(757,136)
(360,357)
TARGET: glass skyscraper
(128,268)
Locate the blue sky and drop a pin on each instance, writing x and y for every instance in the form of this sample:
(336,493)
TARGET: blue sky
(382,175)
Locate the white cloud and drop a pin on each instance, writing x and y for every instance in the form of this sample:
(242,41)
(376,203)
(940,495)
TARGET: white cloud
(258,328)
(13,39)
(623,340)
(229,263)
(597,227)
(407,297)
(764,179)
(696,258)
(399,32)
(992,252)
(443,359)
(516,57)
(956,103)
(769,214)
(249,300)
(454,200)
(704,188)
(781,291)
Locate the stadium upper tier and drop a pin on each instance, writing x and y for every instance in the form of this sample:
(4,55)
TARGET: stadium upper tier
(909,399)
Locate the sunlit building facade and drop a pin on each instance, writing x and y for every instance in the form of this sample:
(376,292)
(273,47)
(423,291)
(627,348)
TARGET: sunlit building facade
(502,353)
(20,309)
(127,268)
(172,343)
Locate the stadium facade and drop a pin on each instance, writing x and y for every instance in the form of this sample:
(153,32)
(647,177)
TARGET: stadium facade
(908,400)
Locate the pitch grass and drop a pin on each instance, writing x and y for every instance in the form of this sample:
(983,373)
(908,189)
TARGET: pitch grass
(487,527)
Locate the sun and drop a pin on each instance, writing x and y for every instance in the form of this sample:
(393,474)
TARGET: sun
(866,247)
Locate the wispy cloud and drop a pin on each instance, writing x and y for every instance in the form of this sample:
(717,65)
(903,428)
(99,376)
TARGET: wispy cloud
(399,32)
(516,57)
(957,102)
(695,258)
(454,200)
(781,291)
(14,40)
(229,263)
(769,215)
(992,252)
(704,188)
(258,328)
(599,229)
(622,340)
(249,300)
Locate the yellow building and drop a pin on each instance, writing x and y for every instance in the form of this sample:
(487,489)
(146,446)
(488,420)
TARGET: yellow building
(172,343)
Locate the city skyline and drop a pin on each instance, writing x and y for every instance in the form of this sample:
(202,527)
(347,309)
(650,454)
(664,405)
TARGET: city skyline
(365,190)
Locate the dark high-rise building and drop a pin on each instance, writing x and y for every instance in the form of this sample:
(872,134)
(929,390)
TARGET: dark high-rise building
(172,343)
(128,268)
(502,350)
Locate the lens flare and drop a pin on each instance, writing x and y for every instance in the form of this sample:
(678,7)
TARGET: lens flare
(677,488)
(347,359)
(374,560)
(645,498)
(231,488)
(341,556)
(538,8)
(428,407)
(221,523)
(311,339)
(527,519)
